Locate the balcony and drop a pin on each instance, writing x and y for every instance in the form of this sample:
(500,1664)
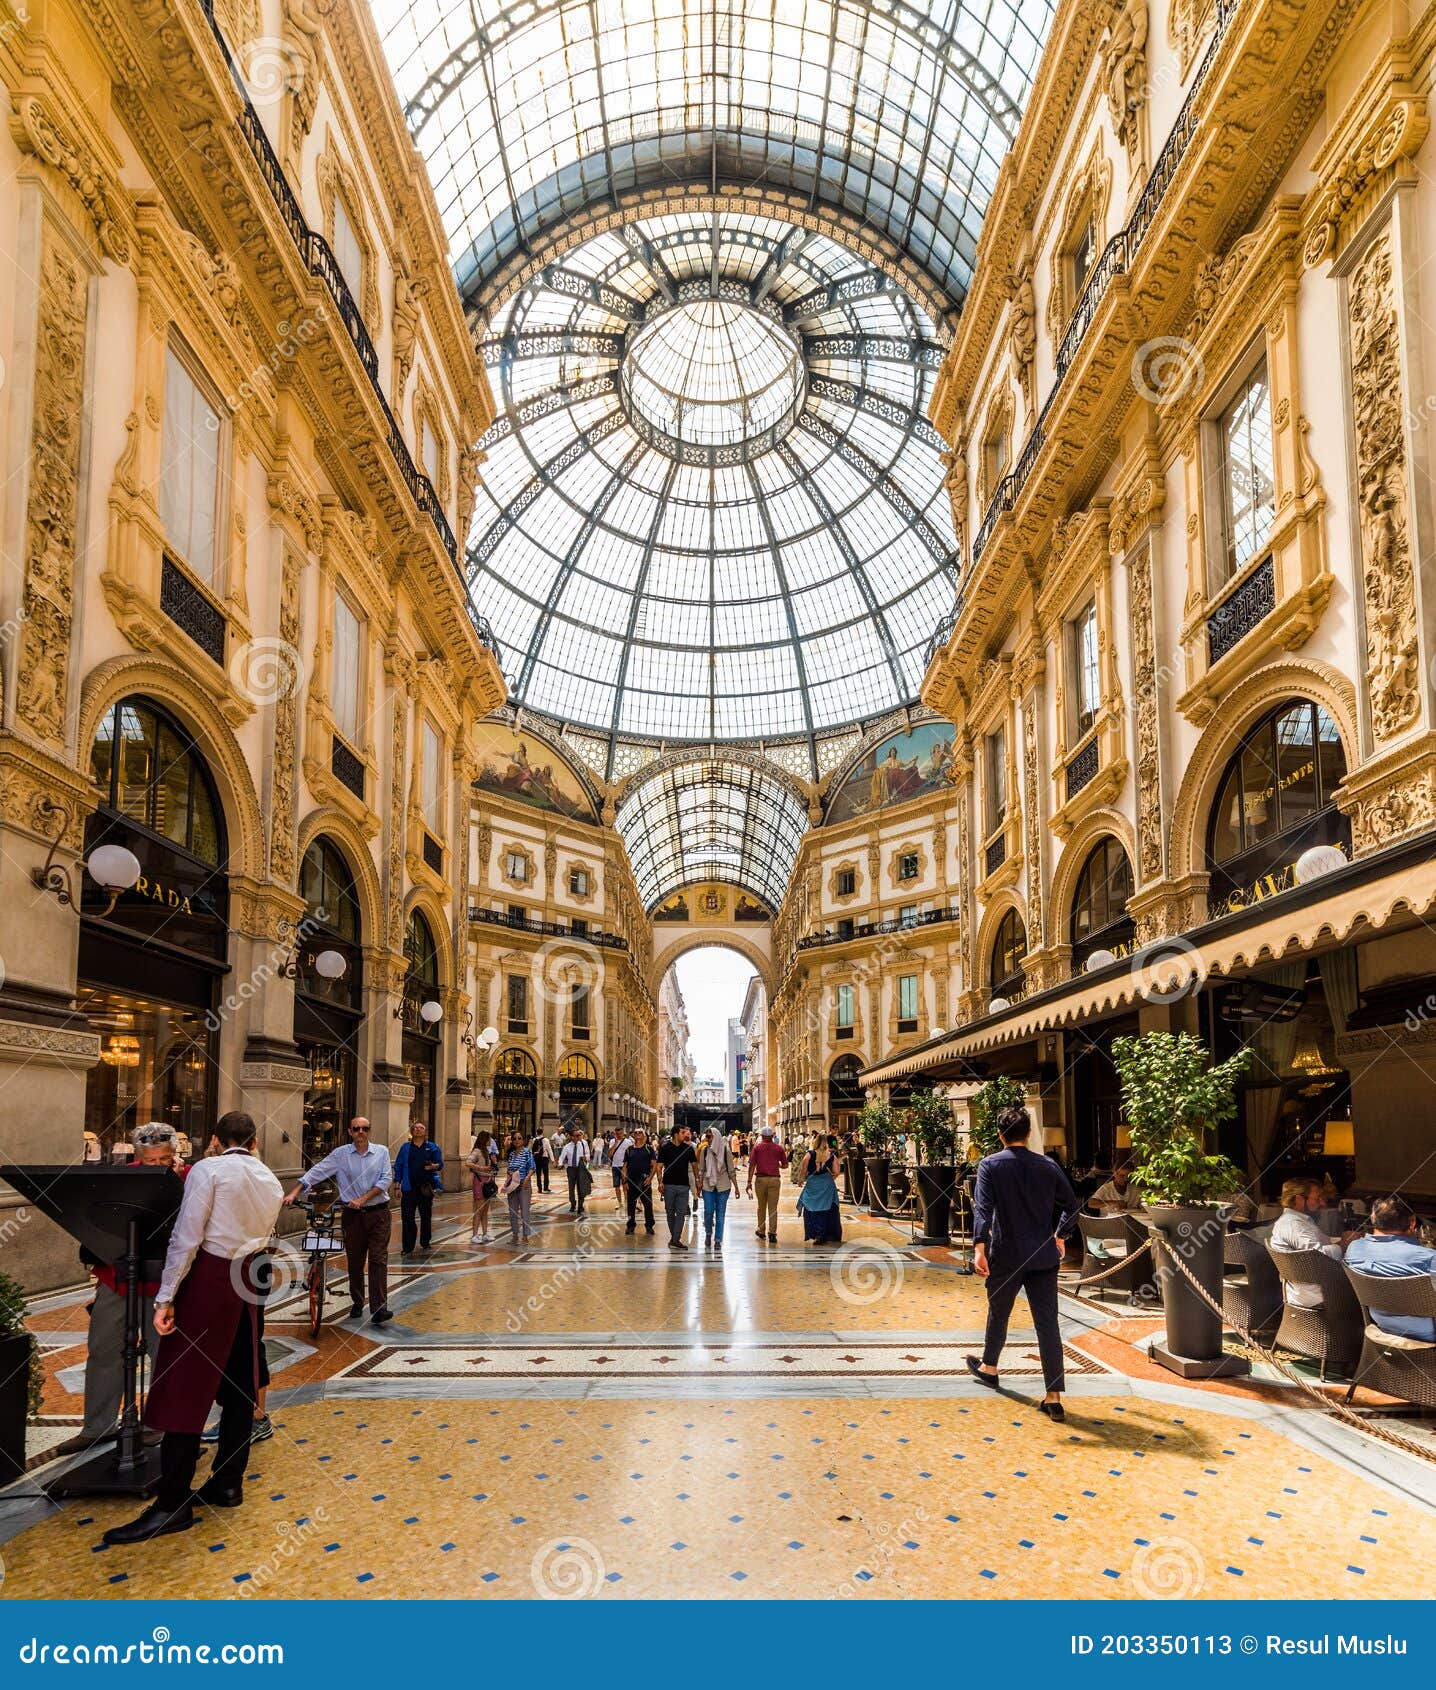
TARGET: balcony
(319,260)
(580,934)
(877,929)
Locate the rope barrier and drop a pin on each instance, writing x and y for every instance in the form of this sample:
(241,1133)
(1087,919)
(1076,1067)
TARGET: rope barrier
(1257,1351)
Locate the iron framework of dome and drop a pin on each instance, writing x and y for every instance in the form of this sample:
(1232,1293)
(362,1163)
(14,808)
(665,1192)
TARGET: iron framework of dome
(711,508)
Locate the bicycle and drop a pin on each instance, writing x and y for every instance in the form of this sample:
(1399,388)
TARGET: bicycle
(321,1240)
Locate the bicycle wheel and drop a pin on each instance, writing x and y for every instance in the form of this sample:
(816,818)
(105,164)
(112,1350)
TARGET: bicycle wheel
(316,1295)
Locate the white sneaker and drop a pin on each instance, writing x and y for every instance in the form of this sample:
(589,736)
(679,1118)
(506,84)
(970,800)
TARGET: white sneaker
(478,1238)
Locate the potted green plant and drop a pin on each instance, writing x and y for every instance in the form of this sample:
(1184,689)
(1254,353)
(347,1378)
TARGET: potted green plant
(1174,1098)
(877,1128)
(931,1124)
(988,1101)
(21,1375)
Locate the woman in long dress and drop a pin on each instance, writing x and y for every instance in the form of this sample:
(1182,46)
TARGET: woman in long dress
(818,1200)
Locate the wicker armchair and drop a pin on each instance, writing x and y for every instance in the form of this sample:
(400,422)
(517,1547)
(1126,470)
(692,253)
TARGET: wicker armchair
(1252,1298)
(1331,1334)
(1390,1363)
(1107,1239)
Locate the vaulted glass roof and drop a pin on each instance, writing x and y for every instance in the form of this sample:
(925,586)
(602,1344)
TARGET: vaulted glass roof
(712,819)
(895,113)
(711,508)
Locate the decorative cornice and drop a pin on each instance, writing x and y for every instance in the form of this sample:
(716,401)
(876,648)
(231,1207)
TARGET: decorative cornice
(39,130)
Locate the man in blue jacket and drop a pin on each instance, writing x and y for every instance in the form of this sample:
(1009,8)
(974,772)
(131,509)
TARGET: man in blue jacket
(417,1168)
(1023,1209)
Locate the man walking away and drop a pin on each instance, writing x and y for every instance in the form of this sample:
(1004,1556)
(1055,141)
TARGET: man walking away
(766,1161)
(362,1172)
(205,1313)
(1023,1210)
(573,1159)
(680,1167)
(416,1168)
(638,1180)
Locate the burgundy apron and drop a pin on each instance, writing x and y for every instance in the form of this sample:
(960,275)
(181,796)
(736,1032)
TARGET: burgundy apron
(214,1297)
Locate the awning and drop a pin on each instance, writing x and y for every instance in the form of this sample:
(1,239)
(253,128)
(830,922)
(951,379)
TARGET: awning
(1366,894)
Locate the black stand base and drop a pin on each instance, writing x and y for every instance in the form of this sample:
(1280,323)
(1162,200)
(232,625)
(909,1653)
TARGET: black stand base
(103,1475)
(925,1239)
(1219,1367)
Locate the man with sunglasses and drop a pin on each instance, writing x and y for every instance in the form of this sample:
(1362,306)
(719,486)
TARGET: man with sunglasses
(362,1172)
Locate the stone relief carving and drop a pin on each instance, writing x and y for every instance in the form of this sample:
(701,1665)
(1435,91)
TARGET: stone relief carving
(52,510)
(1388,584)
(1022,330)
(36,131)
(304,33)
(1124,71)
(1036,938)
(286,729)
(395,820)
(1144,689)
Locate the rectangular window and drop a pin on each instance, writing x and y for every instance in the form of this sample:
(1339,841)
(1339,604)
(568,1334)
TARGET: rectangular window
(189,470)
(847,882)
(907,1003)
(348,669)
(518,915)
(579,1012)
(1084,255)
(429,451)
(433,777)
(908,866)
(1086,672)
(578,882)
(846,927)
(994,779)
(348,254)
(518,994)
(1248,492)
(907,915)
(996,451)
(846,1009)
(579,927)
(517,866)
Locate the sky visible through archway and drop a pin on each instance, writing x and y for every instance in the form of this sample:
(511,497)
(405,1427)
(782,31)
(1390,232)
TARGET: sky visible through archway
(713,981)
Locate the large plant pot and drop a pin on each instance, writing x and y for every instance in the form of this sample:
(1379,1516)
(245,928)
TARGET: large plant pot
(877,1169)
(853,1176)
(935,1187)
(14,1404)
(1193,1234)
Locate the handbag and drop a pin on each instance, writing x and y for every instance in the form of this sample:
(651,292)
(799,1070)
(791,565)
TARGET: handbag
(585,1179)
(490,1189)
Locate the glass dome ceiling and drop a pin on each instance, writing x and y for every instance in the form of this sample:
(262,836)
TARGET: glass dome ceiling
(893,114)
(711,508)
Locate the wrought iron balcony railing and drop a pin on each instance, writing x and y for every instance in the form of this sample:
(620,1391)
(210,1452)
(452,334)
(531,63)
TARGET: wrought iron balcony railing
(320,261)
(875,929)
(549,929)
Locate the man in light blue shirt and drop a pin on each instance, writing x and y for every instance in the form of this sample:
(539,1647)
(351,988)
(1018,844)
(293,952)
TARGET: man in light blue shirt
(1394,1251)
(361,1171)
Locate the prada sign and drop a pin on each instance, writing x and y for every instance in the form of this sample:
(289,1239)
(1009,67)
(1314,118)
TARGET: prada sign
(177,900)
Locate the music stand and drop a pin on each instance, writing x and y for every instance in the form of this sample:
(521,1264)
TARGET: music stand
(122,1216)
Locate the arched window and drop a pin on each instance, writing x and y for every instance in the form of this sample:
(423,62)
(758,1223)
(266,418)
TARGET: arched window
(845,1095)
(421,953)
(515,1094)
(578,1093)
(1099,905)
(327,887)
(153,775)
(1008,950)
(1276,799)
(516,1063)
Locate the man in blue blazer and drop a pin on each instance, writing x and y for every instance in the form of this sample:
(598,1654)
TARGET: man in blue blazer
(1023,1209)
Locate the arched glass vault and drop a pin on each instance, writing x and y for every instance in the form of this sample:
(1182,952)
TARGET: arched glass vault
(895,113)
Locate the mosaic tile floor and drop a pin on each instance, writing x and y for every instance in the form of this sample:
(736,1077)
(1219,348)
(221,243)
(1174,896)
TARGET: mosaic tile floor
(589,1450)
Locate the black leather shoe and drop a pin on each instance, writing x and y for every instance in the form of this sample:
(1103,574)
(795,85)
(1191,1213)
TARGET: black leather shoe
(219,1496)
(1053,1410)
(356,1311)
(379,1316)
(156,1521)
(974,1367)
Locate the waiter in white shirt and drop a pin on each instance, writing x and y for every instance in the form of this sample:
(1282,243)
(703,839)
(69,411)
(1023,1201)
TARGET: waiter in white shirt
(363,1174)
(206,1311)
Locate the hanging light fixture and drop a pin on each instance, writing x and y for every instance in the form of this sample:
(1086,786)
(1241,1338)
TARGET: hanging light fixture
(431,1012)
(1317,861)
(997,1005)
(1099,959)
(330,965)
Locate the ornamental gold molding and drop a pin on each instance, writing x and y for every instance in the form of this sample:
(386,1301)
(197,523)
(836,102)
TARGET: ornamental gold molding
(1388,582)
(39,129)
(1393,797)
(1359,168)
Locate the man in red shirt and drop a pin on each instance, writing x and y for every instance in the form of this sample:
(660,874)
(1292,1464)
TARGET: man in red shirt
(766,1161)
(155,1146)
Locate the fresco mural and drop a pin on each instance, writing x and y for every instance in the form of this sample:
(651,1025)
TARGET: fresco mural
(895,769)
(712,901)
(517,765)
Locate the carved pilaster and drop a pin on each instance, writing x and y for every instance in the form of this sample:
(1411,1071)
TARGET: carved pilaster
(1145,721)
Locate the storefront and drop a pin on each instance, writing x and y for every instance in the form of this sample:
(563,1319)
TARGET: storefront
(328,998)
(845,1095)
(150,971)
(420,1049)
(578,1094)
(515,1095)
